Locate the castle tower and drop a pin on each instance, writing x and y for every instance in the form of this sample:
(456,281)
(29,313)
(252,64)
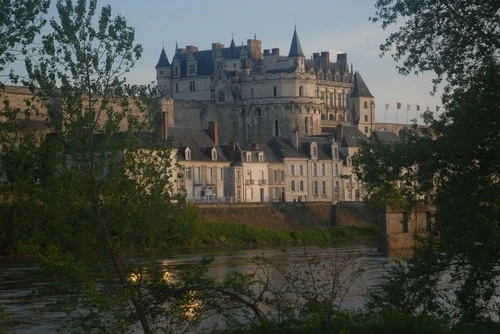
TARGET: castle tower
(164,75)
(362,105)
(296,52)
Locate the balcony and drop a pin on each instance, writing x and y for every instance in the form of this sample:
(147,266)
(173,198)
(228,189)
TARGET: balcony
(262,181)
(250,182)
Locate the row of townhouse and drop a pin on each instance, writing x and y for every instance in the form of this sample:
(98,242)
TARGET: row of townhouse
(307,168)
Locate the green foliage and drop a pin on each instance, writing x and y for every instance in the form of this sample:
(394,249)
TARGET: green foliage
(96,198)
(454,161)
(20,22)
(451,39)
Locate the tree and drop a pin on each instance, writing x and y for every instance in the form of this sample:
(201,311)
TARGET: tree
(96,195)
(453,162)
(20,22)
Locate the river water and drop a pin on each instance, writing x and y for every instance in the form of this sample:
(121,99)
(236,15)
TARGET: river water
(32,316)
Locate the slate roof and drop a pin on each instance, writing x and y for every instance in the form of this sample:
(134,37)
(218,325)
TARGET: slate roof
(282,149)
(324,146)
(295,48)
(199,142)
(385,137)
(349,135)
(205,59)
(359,88)
(163,61)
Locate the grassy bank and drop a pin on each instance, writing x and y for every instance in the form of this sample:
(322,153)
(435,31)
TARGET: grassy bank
(227,233)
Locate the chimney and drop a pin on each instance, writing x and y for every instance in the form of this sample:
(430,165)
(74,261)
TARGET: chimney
(213,131)
(276,51)
(295,137)
(232,149)
(255,146)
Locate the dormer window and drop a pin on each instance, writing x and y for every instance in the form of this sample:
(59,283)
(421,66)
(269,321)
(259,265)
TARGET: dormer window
(261,157)
(314,150)
(214,154)
(187,153)
(249,156)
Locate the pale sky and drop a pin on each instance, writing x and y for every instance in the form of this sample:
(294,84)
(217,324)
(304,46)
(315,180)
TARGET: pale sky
(322,25)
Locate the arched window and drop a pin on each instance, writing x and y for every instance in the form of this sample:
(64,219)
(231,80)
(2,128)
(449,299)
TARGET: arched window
(248,133)
(187,153)
(251,92)
(306,125)
(214,154)
(276,128)
(275,91)
(301,91)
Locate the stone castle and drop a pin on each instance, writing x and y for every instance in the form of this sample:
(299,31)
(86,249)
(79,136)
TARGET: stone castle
(256,95)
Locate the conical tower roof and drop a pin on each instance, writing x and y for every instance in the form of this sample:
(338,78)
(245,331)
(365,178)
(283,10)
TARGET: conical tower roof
(295,48)
(163,61)
(359,88)
(232,50)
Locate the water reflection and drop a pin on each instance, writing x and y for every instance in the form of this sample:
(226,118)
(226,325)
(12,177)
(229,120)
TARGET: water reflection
(32,316)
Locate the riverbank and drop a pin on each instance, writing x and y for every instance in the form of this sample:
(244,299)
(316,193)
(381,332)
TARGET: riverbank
(290,216)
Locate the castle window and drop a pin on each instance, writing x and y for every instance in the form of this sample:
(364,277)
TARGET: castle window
(187,153)
(301,185)
(306,125)
(315,169)
(336,170)
(365,105)
(366,130)
(275,175)
(301,169)
(301,91)
(191,69)
(177,87)
(292,169)
(261,157)
(219,64)
(292,186)
(366,117)
(275,91)
(161,72)
(276,128)
(315,187)
(251,92)
(222,97)
(249,156)
(192,86)
(323,169)
(323,188)
(214,154)
(176,70)
(188,173)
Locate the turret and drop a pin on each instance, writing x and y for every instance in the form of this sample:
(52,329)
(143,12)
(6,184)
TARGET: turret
(362,105)
(164,74)
(296,52)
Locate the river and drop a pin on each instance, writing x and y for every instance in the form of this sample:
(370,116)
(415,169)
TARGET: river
(32,316)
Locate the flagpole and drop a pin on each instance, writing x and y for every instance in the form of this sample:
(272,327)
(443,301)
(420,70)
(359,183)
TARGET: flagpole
(407,111)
